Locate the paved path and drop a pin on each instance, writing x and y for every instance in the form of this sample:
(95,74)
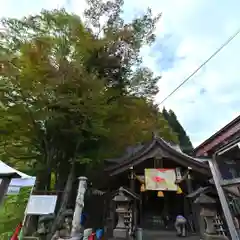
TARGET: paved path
(164,235)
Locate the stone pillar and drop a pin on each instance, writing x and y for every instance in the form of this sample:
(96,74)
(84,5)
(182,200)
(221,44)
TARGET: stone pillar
(77,229)
(202,225)
(189,183)
(190,203)
(133,189)
(132,179)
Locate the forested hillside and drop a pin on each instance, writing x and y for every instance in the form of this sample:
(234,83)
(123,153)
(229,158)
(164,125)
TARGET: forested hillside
(184,140)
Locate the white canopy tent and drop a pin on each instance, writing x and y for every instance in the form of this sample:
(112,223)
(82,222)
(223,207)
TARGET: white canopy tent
(19,179)
(7,171)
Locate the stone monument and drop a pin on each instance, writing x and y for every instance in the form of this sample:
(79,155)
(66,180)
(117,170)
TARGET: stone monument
(64,230)
(44,226)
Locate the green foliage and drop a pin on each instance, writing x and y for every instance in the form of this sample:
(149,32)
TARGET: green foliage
(74,91)
(173,122)
(12,212)
(51,101)
(60,90)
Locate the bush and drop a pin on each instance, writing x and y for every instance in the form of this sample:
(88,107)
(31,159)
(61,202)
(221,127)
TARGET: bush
(12,212)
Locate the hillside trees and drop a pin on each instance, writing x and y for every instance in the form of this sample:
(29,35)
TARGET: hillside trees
(184,140)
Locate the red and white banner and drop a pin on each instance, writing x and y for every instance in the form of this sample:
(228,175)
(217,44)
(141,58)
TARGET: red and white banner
(160,179)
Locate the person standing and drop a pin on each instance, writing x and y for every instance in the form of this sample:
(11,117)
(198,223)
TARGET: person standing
(180,225)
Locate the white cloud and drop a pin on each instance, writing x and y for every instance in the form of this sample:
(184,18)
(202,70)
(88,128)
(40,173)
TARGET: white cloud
(211,98)
(197,28)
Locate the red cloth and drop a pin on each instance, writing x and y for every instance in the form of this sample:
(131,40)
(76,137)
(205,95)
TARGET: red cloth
(162,169)
(92,236)
(17,231)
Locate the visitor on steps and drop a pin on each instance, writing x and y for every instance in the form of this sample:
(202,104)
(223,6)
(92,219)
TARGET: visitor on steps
(180,225)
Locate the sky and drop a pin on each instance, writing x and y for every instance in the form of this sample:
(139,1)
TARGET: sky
(188,32)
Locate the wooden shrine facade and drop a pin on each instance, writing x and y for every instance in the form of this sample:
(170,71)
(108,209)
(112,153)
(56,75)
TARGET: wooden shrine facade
(158,209)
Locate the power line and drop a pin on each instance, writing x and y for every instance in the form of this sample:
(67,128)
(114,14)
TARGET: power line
(202,65)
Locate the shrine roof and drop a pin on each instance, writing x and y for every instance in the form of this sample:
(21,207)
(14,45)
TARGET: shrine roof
(220,136)
(127,191)
(158,147)
(199,191)
(130,151)
(204,199)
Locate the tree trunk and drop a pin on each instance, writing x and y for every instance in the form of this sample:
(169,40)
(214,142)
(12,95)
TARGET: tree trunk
(62,176)
(42,180)
(64,200)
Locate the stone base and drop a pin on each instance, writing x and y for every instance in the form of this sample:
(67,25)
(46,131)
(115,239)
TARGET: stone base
(120,233)
(117,239)
(214,237)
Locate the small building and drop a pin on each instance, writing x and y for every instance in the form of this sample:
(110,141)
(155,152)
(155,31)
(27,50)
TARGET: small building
(223,149)
(159,203)
(221,138)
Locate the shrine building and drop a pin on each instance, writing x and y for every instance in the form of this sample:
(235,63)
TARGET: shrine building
(162,175)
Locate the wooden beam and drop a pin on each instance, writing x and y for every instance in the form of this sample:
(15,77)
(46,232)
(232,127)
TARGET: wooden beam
(230,182)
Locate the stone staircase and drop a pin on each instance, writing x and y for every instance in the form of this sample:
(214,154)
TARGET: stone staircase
(162,235)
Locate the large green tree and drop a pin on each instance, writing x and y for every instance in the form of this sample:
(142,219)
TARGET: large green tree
(73,92)
(56,75)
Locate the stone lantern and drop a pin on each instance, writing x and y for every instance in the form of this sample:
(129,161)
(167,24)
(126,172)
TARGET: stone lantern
(122,208)
(208,214)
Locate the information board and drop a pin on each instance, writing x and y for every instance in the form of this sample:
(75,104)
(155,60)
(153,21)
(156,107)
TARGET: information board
(41,204)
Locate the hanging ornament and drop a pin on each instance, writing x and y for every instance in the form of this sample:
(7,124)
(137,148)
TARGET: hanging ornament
(179,190)
(142,189)
(160,194)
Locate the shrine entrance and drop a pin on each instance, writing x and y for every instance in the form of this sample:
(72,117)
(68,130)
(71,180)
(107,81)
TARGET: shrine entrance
(159,209)
(158,165)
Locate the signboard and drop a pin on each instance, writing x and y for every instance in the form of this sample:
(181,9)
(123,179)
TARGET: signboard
(13,190)
(160,179)
(41,204)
